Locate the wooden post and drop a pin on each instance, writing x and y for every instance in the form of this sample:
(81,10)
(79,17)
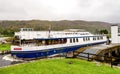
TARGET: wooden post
(116,52)
(73,54)
(66,54)
(88,56)
(111,62)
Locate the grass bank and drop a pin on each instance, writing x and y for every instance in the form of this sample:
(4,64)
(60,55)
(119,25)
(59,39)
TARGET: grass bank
(5,47)
(59,66)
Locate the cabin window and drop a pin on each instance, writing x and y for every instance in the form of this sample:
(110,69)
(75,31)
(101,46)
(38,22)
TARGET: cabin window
(76,39)
(73,39)
(17,37)
(24,29)
(98,38)
(83,39)
(94,38)
(101,37)
(65,40)
(43,42)
(70,40)
(88,38)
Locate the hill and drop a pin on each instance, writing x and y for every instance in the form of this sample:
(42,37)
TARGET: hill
(59,66)
(92,26)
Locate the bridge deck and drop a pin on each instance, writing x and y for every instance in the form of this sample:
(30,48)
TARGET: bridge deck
(96,50)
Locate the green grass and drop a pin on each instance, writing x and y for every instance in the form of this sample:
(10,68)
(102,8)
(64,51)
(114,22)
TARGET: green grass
(5,46)
(59,66)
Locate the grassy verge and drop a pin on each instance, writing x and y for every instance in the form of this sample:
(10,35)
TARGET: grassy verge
(59,66)
(5,47)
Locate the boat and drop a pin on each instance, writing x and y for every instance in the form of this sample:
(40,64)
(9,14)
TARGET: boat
(33,44)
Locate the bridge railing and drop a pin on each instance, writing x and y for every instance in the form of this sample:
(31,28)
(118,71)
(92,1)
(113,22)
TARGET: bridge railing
(108,59)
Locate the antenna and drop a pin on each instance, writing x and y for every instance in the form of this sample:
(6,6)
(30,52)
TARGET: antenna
(49,31)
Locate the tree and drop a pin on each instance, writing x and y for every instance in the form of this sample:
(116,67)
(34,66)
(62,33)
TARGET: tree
(104,31)
(8,32)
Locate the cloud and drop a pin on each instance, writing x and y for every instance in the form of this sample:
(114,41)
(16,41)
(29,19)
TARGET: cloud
(92,10)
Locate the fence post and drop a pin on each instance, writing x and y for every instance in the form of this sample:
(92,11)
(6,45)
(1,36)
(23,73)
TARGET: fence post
(104,58)
(65,54)
(111,62)
(73,54)
(88,56)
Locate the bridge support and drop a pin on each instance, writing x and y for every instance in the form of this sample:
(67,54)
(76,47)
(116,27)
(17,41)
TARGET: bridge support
(70,54)
(117,51)
(109,53)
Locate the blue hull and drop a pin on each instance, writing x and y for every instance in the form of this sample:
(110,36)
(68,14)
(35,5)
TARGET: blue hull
(44,53)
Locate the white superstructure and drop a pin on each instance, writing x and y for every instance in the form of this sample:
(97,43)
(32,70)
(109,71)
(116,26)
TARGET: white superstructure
(53,34)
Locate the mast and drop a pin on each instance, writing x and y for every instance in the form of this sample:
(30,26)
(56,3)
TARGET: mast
(49,31)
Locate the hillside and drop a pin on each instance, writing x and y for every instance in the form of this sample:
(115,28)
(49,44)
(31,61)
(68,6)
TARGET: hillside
(91,26)
(59,66)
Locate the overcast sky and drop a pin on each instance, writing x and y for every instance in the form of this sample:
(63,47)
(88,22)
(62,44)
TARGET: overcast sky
(91,10)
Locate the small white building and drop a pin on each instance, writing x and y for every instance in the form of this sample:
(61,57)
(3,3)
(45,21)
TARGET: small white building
(115,35)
